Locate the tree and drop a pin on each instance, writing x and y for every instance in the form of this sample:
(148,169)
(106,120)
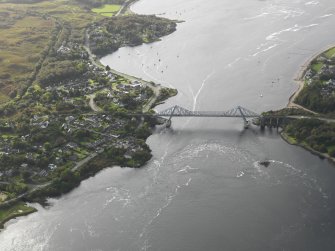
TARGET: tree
(332,152)
(47,146)
(25,176)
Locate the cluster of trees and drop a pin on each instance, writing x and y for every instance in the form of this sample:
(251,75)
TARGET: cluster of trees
(287,112)
(52,134)
(129,30)
(317,134)
(7,109)
(11,161)
(318,95)
(311,98)
(165,93)
(64,181)
(16,188)
(61,70)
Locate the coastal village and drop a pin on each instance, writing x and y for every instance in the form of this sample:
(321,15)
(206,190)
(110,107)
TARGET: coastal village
(69,124)
(68,116)
(85,116)
(72,116)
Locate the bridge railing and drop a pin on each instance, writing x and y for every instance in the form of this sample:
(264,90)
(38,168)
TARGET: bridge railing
(177,111)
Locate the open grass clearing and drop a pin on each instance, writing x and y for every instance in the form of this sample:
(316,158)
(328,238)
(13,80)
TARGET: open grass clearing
(24,36)
(330,53)
(108,10)
(18,209)
(317,66)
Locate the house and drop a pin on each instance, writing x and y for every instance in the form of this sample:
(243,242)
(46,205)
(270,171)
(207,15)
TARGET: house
(136,85)
(24,166)
(69,119)
(127,156)
(44,125)
(72,145)
(63,50)
(52,166)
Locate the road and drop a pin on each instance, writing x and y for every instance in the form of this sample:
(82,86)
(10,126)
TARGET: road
(155,88)
(84,161)
(292,104)
(92,104)
(35,188)
(329,120)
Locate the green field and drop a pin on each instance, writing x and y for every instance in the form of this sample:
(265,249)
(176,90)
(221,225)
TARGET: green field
(26,31)
(108,10)
(317,67)
(19,209)
(24,37)
(330,53)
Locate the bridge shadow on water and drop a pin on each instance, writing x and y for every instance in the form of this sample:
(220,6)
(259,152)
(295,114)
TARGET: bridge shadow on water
(239,134)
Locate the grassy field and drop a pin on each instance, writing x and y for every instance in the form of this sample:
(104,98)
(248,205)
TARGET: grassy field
(317,67)
(26,31)
(291,140)
(22,38)
(330,53)
(19,209)
(108,10)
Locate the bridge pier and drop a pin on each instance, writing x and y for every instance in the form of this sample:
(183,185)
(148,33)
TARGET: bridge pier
(168,123)
(246,124)
(271,122)
(277,123)
(262,122)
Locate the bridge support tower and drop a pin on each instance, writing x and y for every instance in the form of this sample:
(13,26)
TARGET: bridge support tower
(262,122)
(169,122)
(246,122)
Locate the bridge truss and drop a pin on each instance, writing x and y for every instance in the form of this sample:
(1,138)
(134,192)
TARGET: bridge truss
(237,112)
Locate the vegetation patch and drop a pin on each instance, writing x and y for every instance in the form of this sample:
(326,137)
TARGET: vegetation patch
(288,112)
(107,10)
(13,211)
(51,136)
(330,53)
(318,93)
(316,134)
(21,35)
(110,34)
(317,66)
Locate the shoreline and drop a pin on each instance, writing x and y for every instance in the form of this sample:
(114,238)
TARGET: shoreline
(286,138)
(299,79)
(28,210)
(155,87)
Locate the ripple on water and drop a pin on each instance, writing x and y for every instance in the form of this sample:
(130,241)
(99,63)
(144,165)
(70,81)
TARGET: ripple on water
(279,172)
(278,11)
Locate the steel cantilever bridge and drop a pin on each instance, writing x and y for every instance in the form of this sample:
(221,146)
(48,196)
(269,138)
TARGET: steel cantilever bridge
(237,112)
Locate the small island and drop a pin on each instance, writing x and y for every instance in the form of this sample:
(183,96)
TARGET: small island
(63,115)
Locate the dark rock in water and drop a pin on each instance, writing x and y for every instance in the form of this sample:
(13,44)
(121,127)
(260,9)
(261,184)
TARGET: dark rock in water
(265,163)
